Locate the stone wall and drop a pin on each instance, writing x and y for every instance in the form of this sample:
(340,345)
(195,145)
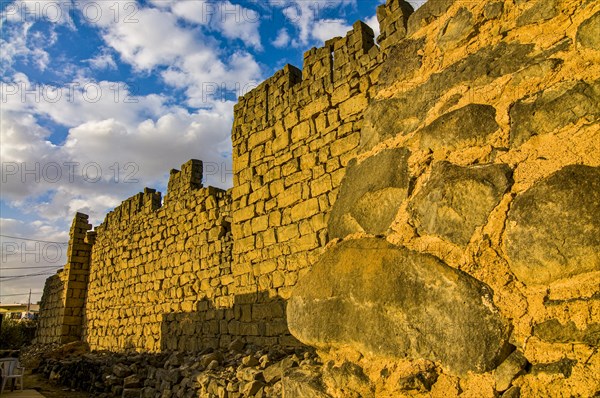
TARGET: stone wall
(150,261)
(423,211)
(292,138)
(63,299)
(467,251)
(51,310)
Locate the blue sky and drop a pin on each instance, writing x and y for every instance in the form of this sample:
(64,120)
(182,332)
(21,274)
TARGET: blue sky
(102,98)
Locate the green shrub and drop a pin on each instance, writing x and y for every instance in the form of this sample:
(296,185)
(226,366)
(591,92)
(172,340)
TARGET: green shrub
(16,334)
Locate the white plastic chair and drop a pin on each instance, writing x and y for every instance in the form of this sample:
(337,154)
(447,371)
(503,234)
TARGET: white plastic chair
(10,370)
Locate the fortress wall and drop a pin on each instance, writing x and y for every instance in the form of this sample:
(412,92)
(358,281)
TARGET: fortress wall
(63,299)
(462,154)
(292,138)
(149,261)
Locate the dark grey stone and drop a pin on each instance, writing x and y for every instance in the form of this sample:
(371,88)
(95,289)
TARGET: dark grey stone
(402,63)
(401,115)
(422,381)
(348,380)
(390,301)
(555,332)
(553,229)
(456,200)
(371,194)
(303,383)
(426,14)
(457,30)
(467,126)
(551,109)
(588,33)
(564,366)
(493,10)
(541,11)
(509,369)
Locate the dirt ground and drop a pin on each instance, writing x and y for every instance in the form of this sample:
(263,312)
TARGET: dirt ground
(49,390)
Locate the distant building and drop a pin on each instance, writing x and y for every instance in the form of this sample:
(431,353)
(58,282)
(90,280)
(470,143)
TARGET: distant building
(19,311)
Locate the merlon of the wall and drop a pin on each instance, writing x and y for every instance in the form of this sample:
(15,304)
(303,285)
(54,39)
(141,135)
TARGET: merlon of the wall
(324,69)
(181,182)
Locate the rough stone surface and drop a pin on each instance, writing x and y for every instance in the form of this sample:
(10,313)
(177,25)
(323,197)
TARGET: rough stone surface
(470,125)
(549,110)
(426,14)
(456,200)
(303,383)
(509,369)
(542,10)
(457,30)
(403,62)
(553,229)
(588,34)
(402,114)
(362,290)
(381,179)
(563,366)
(348,380)
(552,330)
(493,10)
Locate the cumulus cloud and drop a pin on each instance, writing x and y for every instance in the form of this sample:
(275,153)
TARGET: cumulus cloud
(326,29)
(18,44)
(311,21)
(112,150)
(374,24)
(282,39)
(102,61)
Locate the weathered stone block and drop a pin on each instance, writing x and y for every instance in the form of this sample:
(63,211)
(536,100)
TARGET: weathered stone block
(370,194)
(588,33)
(402,114)
(550,110)
(456,200)
(541,11)
(467,126)
(457,30)
(553,331)
(390,301)
(303,383)
(553,229)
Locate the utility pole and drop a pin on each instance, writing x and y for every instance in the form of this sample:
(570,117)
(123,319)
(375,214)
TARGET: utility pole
(29,302)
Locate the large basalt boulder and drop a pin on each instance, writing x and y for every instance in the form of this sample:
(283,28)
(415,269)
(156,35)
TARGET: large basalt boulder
(467,126)
(456,200)
(386,300)
(552,109)
(553,229)
(588,34)
(371,194)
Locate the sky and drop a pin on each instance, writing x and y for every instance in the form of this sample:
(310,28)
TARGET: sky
(100,99)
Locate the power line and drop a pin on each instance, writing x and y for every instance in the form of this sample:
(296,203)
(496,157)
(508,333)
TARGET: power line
(13,277)
(34,240)
(19,294)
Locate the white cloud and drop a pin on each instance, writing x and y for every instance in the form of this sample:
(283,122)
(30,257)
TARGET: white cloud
(20,45)
(102,61)
(232,20)
(374,24)
(282,39)
(326,29)
(111,151)
(309,18)
(184,56)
